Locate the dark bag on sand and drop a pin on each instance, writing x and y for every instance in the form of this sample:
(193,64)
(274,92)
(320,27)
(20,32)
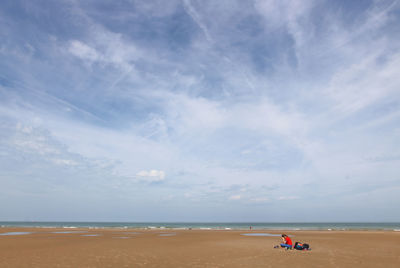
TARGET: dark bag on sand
(301,246)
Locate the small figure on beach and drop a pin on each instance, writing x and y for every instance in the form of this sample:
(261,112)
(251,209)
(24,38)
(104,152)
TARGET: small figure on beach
(287,242)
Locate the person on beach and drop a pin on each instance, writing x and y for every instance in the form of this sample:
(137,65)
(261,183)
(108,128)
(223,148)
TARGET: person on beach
(287,242)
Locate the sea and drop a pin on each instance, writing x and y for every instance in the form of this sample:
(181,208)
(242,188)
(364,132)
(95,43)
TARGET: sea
(387,226)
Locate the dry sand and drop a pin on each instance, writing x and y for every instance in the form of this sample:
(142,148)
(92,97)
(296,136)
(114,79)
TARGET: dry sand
(195,248)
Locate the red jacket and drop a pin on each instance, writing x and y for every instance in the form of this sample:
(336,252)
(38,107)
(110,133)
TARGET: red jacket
(288,241)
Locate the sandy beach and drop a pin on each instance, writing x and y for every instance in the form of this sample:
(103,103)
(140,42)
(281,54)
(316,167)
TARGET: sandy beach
(49,247)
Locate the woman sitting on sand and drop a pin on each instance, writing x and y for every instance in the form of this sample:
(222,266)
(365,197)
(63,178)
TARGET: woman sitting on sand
(287,242)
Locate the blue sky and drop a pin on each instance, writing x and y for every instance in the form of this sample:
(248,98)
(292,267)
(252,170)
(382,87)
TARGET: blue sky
(193,110)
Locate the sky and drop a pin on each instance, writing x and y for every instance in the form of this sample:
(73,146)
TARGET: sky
(197,110)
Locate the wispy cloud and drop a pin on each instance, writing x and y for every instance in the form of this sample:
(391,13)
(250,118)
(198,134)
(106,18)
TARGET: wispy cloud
(197,18)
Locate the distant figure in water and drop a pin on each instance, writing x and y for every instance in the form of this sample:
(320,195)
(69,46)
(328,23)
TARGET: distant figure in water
(250,227)
(287,242)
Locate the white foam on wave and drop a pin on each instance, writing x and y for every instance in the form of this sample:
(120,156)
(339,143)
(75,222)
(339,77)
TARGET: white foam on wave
(396,230)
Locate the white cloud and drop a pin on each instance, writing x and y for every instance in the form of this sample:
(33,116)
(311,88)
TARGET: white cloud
(260,199)
(84,51)
(288,198)
(277,12)
(107,48)
(30,140)
(65,162)
(235,197)
(151,175)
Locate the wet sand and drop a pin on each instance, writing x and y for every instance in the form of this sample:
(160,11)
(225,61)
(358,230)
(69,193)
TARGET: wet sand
(194,248)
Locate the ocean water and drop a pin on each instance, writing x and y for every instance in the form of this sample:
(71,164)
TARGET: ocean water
(394,226)
(15,233)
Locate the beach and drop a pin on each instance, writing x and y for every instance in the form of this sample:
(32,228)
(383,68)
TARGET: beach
(83,247)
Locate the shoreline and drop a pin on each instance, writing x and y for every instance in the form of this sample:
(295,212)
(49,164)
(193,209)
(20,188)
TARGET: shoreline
(39,229)
(203,229)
